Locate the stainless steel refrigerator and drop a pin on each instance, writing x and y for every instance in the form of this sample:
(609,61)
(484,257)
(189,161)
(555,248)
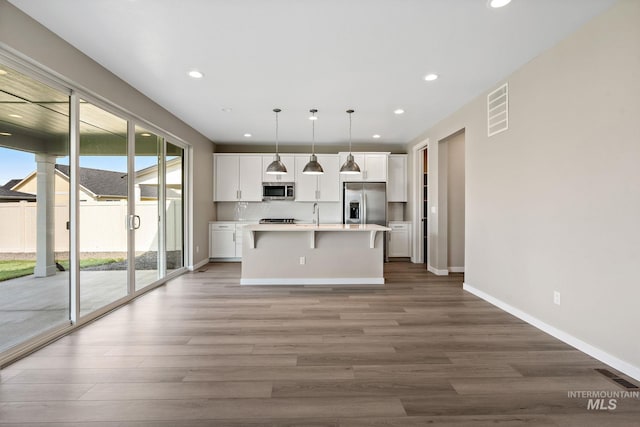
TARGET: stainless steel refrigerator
(365,203)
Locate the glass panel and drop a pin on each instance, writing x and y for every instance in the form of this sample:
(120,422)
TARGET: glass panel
(34,208)
(174,206)
(147,184)
(103,208)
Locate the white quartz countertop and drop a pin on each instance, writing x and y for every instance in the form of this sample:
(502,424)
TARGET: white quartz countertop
(313,227)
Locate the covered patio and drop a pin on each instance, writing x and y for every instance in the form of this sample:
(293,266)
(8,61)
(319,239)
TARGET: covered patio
(31,305)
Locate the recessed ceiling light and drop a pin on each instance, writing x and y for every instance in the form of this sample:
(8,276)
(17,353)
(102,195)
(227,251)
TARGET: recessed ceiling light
(195,74)
(17,116)
(247,135)
(431,77)
(227,110)
(398,111)
(498,3)
(5,134)
(3,72)
(376,136)
(145,134)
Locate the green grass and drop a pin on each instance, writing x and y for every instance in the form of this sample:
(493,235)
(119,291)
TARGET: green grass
(18,268)
(13,269)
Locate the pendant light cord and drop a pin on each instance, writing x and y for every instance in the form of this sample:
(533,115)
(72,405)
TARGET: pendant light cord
(276,110)
(313,137)
(313,131)
(349,133)
(350,112)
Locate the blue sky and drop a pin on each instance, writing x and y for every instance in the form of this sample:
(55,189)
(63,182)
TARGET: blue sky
(19,164)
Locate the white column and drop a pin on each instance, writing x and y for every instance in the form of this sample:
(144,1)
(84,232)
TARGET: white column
(45,197)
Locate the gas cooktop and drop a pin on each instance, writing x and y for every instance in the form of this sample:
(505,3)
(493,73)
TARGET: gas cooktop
(277,221)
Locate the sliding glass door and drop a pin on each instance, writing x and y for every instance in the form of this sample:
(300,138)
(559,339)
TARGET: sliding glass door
(91,208)
(103,208)
(174,186)
(148,192)
(34,208)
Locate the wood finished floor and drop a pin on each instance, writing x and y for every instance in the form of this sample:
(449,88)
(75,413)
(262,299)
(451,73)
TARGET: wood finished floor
(203,351)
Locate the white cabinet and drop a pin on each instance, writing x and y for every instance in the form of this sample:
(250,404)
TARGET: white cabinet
(237,177)
(225,239)
(397,178)
(373,166)
(289,163)
(239,228)
(400,239)
(318,188)
(222,240)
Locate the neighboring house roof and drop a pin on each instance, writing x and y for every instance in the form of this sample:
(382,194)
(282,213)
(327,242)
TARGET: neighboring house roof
(12,183)
(7,195)
(150,191)
(102,183)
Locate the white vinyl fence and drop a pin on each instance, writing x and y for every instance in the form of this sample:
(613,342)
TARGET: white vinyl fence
(102,227)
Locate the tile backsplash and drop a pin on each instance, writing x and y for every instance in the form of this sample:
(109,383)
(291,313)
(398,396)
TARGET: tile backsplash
(300,211)
(330,212)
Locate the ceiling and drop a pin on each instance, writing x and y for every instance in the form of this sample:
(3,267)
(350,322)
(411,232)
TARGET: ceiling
(368,55)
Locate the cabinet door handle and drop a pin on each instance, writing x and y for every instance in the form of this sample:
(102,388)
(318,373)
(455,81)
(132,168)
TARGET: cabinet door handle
(234,237)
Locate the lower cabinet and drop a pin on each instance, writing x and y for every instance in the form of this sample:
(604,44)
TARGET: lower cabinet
(225,240)
(400,239)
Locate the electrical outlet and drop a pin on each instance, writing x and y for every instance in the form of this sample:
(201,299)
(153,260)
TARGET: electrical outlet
(303,260)
(556,297)
(197,249)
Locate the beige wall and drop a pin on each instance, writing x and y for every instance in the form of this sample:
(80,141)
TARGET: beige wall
(553,203)
(27,38)
(454,147)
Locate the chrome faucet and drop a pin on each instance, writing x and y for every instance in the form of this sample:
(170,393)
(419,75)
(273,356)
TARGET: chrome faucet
(316,213)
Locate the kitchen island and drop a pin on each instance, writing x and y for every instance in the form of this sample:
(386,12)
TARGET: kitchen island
(308,254)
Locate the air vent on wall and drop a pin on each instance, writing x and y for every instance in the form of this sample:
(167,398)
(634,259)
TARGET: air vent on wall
(498,110)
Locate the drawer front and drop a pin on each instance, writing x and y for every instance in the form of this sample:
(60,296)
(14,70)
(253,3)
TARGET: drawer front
(399,226)
(223,226)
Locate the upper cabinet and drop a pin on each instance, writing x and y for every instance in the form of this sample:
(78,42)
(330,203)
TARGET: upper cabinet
(289,163)
(237,177)
(373,166)
(397,182)
(318,188)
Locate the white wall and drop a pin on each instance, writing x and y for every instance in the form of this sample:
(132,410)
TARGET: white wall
(553,203)
(25,37)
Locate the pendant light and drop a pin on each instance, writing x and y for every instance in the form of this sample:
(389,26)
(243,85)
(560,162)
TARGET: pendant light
(350,167)
(313,167)
(276,167)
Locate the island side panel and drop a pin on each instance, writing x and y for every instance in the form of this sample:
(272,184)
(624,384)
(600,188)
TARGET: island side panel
(337,255)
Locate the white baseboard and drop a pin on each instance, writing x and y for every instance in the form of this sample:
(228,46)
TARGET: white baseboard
(198,265)
(320,281)
(603,356)
(456,269)
(438,272)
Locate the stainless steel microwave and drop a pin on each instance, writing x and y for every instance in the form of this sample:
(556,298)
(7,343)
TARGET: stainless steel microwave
(278,191)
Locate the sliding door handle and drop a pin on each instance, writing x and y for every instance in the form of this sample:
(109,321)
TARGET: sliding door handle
(133,222)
